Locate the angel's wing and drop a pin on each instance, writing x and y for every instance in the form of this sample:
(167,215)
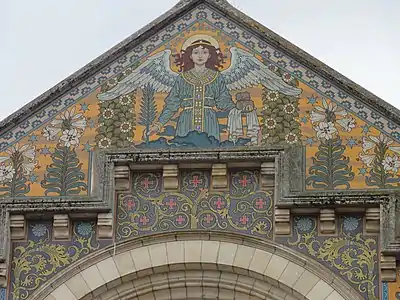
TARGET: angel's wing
(155,71)
(247,71)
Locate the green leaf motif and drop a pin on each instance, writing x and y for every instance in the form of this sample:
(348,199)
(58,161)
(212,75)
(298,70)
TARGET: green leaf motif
(64,176)
(148,109)
(330,167)
(18,186)
(378,175)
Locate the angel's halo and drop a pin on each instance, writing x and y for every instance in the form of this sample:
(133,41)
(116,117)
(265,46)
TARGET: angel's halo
(198,37)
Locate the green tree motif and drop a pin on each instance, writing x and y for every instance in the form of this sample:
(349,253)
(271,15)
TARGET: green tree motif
(64,176)
(280,114)
(378,175)
(18,186)
(117,118)
(20,164)
(148,109)
(330,167)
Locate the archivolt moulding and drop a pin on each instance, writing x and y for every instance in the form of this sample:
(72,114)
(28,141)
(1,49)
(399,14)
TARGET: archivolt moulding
(181,264)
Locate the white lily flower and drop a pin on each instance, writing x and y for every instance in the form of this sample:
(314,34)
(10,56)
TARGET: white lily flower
(70,137)
(6,173)
(325,130)
(367,159)
(347,123)
(391,163)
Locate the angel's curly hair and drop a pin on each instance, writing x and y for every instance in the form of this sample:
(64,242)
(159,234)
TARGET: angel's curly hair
(185,63)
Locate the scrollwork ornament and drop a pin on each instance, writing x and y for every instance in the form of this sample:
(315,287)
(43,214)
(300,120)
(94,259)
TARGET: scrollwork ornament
(351,255)
(36,261)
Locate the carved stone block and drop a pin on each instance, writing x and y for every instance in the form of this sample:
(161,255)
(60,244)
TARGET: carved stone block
(61,227)
(170,177)
(122,178)
(388,268)
(372,220)
(267,175)
(282,221)
(327,221)
(17,227)
(3,274)
(104,225)
(219,177)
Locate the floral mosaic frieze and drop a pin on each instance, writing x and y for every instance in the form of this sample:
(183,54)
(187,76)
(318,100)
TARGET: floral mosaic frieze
(39,258)
(351,254)
(244,208)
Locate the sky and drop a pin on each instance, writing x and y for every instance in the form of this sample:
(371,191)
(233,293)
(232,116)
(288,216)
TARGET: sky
(45,41)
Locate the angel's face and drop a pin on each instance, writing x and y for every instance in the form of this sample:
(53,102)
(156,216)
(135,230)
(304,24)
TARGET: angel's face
(200,55)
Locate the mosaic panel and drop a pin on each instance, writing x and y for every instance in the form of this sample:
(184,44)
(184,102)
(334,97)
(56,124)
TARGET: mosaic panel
(244,209)
(39,258)
(392,289)
(350,254)
(201,82)
(2,294)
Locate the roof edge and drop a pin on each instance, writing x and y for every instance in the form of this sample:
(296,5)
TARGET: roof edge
(229,11)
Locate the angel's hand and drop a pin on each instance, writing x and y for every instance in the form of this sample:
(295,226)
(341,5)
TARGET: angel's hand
(154,129)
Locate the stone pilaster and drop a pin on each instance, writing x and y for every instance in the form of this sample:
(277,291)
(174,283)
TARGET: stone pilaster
(61,227)
(104,225)
(17,227)
(170,177)
(267,175)
(4,245)
(219,177)
(388,268)
(3,274)
(372,220)
(282,221)
(122,178)
(327,221)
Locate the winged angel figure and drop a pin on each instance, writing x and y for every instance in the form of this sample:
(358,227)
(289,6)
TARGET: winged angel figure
(199,90)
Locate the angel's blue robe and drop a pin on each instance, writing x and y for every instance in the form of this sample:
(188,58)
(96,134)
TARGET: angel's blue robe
(199,98)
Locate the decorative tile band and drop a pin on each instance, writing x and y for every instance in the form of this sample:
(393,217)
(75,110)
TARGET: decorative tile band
(244,208)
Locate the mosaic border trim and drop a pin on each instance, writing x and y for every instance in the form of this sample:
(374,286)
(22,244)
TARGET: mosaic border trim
(385,291)
(230,28)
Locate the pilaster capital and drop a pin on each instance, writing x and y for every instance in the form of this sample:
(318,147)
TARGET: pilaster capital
(327,221)
(61,227)
(170,177)
(219,177)
(17,227)
(282,221)
(104,225)
(122,178)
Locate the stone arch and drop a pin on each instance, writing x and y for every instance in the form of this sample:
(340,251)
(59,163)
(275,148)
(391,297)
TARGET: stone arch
(196,266)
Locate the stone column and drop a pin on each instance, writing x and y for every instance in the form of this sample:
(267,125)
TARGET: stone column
(4,246)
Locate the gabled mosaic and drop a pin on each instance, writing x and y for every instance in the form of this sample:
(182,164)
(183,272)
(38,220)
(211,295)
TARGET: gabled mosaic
(244,208)
(201,82)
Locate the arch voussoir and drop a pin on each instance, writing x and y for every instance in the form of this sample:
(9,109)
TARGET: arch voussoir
(185,269)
